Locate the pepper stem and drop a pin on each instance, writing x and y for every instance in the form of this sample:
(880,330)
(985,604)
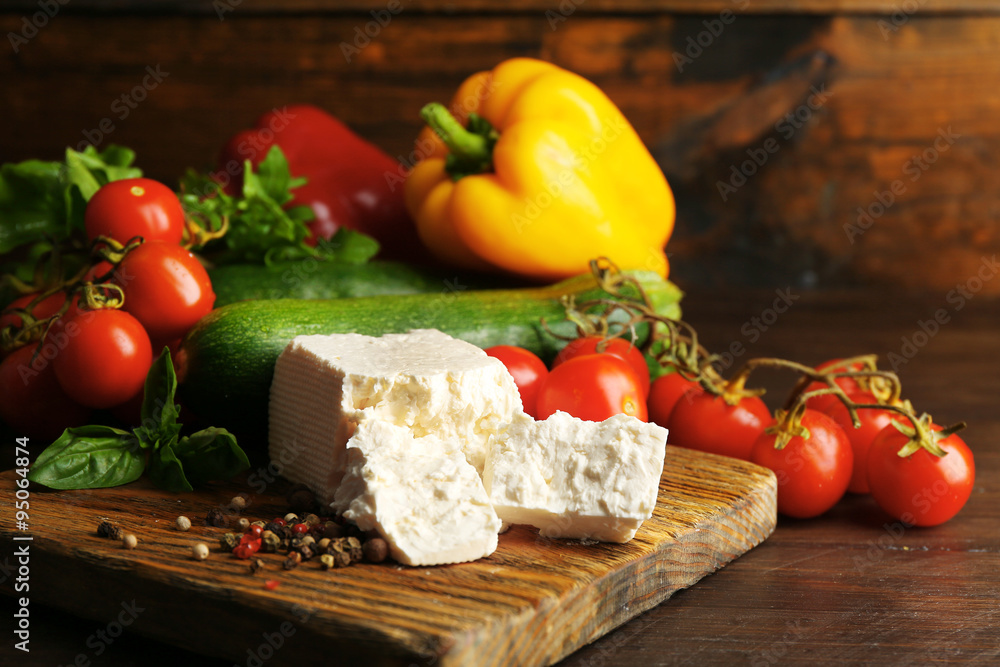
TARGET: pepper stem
(471,150)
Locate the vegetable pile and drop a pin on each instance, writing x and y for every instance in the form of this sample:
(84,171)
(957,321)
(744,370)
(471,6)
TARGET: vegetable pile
(100,278)
(530,175)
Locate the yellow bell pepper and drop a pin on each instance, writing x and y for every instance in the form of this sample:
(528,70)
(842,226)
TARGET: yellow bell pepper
(545,175)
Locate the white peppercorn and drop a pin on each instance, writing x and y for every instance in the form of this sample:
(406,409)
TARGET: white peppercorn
(200,551)
(183,523)
(130,541)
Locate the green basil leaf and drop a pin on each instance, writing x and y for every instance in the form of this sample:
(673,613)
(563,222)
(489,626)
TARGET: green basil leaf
(159,412)
(349,246)
(167,471)
(273,178)
(211,454)
(79,173)
(31,203)
(46,199)
(89,457)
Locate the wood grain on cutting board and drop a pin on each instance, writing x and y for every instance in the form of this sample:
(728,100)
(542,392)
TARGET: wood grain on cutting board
(532,602)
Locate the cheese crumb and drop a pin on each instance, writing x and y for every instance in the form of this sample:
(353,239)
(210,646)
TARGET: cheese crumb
(574,478)
(419,493)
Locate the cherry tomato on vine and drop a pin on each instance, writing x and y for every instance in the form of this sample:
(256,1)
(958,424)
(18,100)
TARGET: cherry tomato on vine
(872,422)
(826,401)
(664,393)
(616,346)
(592,387)
(47,307)
(921,489)
(135,207)
(166,288)
(31,400)
(527,370)
(105,358)
(708,423)
(813,473)
(97,271)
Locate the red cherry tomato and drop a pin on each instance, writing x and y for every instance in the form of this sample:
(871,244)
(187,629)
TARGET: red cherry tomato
(592,387)
(616,346)
(135,207)
(97,271)
(31,400)
(664,393)
(166,288)
(824,402)
(47,307)
(105,359)
(707,423)
(921,489)
(872,422)
(527,370)
(812,472)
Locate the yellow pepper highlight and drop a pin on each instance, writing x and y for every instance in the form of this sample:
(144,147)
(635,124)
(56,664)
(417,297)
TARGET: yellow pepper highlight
(534,171)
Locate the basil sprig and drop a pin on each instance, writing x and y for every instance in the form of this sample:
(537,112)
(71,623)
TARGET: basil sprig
(89,457)
(94,457)
(262,227)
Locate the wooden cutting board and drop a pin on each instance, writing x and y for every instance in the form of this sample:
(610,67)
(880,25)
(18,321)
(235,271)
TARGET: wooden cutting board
(534,601)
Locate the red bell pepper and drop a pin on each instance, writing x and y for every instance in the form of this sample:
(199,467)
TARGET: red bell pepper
(347,176)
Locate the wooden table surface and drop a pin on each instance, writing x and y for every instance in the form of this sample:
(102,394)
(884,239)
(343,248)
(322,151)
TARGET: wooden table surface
(850,587)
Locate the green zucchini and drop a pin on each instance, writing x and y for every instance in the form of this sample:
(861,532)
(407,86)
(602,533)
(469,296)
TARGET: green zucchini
(331,280)
(226,362)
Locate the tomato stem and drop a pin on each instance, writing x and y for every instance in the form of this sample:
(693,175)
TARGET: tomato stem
(675,343)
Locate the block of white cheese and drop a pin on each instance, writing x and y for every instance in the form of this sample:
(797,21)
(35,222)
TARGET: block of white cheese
(424,380)
(419,493)
(574,478)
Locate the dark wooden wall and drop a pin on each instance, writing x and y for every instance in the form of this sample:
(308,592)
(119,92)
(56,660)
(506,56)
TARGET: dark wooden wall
(884,103)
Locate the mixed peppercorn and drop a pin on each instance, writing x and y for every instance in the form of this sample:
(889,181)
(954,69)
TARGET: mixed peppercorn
(305,537)
(301,535)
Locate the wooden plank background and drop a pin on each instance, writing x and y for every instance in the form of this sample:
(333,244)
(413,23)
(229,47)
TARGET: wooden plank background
(905,110)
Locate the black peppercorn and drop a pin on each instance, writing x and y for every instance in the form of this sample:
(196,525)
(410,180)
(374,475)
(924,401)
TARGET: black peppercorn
(217,518)
(294,558)
(109,530)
